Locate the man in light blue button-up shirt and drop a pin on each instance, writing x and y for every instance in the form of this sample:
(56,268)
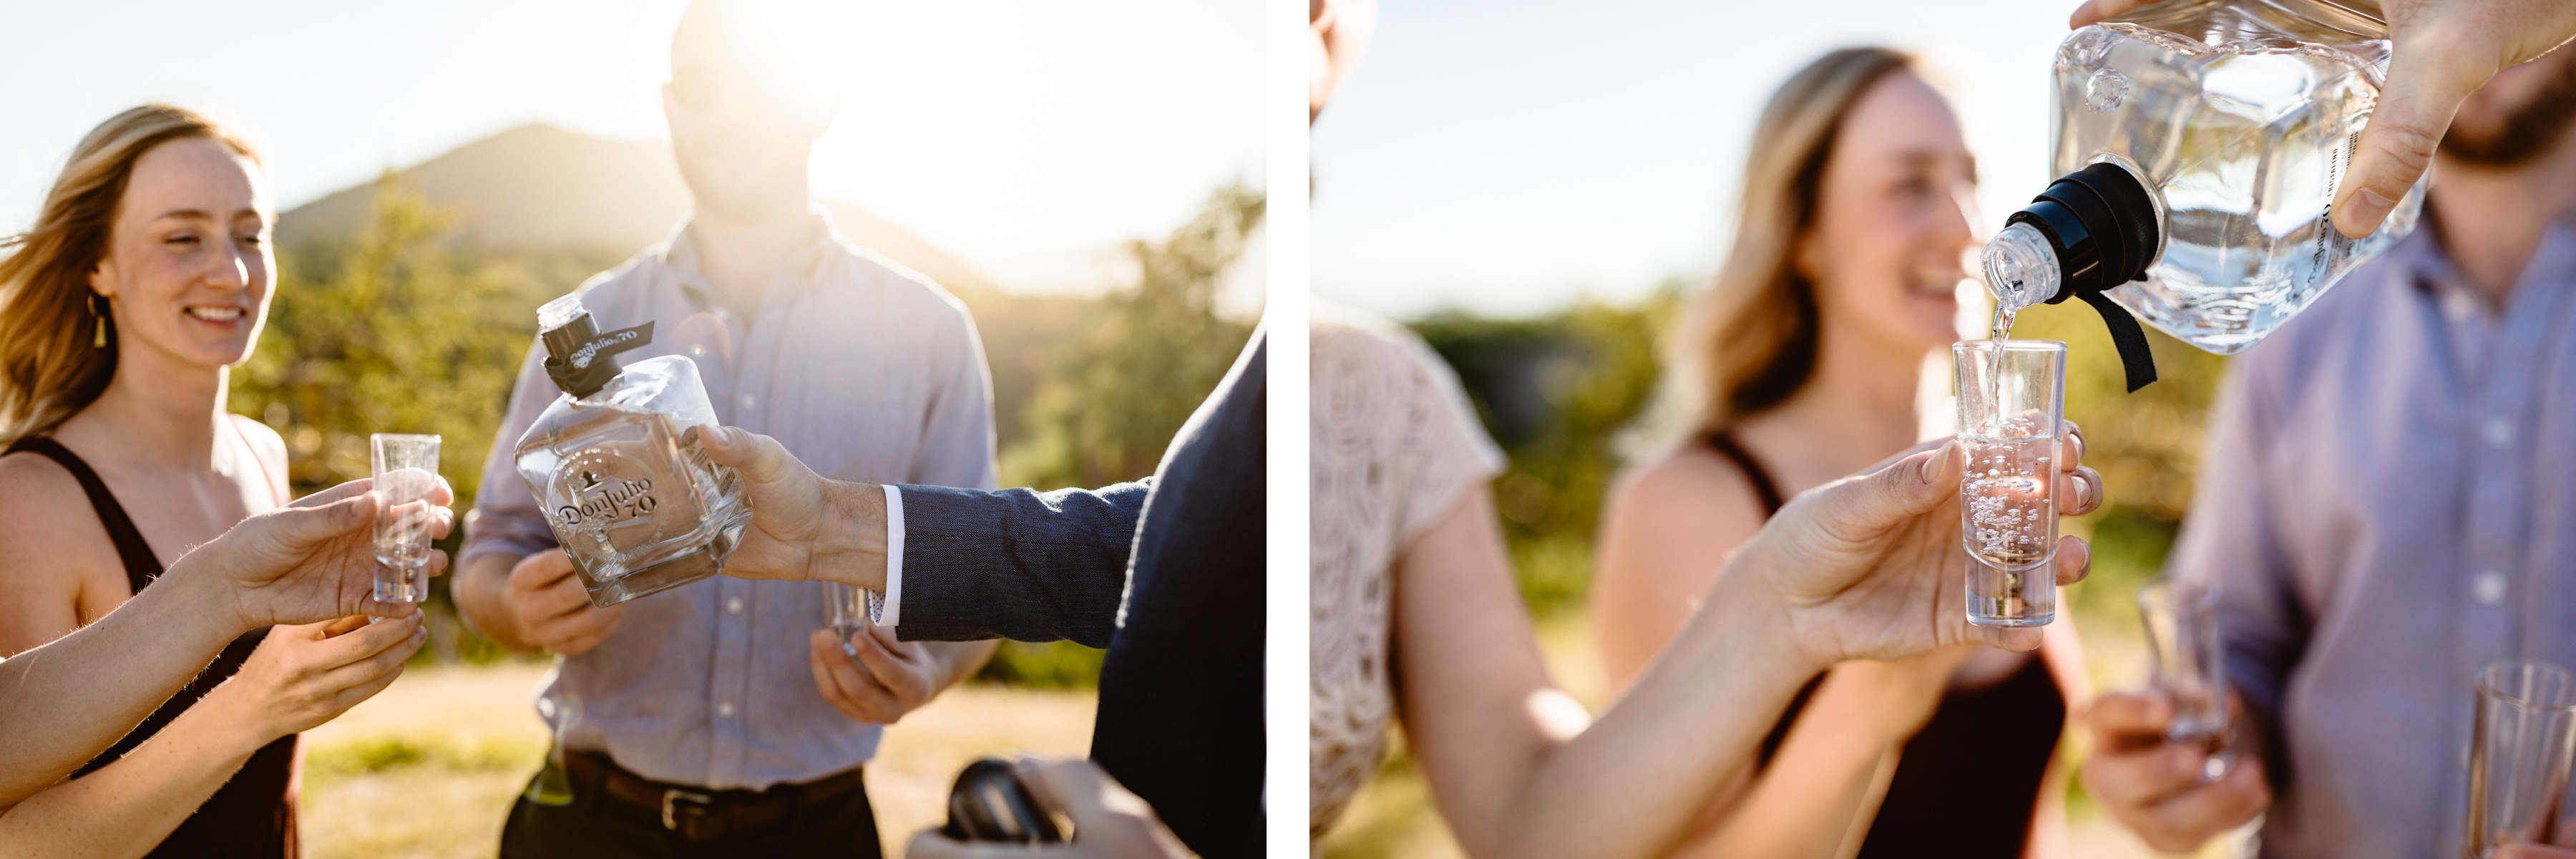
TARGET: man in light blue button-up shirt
(715,719)
(2385,507)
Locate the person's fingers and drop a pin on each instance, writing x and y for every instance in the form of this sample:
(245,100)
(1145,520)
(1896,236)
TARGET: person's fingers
(333,628)
(442,494)
(299,529)
(838,678)
(363,643)
(2129,718)
(334,495)
(1860,507)
(2426,83)
(361,680)
(2074,559)
(442,521)
(2078,493)
(930,843)
(2071,446)
(1077,787)
(2198,810)
(2143,780)
(887,667)
(2016,639)
(2097,11)
(758,458)
(2534,851)
(540,571)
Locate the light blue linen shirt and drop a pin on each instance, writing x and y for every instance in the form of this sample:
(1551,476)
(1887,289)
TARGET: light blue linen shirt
(863,370)
(2386,506)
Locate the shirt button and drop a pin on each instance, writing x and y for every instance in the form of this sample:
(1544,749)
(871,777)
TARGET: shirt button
(2458,306)
(733,605)
(749,401)
(2499,432)
(2488,587)
(724,709)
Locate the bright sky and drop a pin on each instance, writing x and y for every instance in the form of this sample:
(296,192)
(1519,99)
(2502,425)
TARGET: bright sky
(1512,156)
(1014,133)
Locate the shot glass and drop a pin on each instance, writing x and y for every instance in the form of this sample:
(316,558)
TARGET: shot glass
(848,609)
(2521,750)
(406,470)
(2181,621)
(2012,401)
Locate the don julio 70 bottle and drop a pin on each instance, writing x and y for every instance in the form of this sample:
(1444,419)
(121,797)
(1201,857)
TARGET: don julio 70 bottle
(631,496)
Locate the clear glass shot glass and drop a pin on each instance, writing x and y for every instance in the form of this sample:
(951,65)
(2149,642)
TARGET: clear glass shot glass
(2012,402)
(406,471)
(848,609)
(2181,622)
(2521,748)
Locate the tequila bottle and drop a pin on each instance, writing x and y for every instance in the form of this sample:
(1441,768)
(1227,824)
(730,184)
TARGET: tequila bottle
(631,496)
(2198,145)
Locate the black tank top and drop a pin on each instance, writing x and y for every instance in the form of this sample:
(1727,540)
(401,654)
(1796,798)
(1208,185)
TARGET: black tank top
(252,815)
(1965,785)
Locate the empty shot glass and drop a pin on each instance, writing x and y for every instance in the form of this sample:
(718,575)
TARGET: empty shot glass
(2521,748)
(2012,401)
(848,609)
(406,471)
(2181,622)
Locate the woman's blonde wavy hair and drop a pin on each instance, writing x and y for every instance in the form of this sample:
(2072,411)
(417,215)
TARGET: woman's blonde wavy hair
(49,369)
(1749,341)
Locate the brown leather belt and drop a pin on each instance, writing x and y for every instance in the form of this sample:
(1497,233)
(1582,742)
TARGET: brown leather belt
(700,814)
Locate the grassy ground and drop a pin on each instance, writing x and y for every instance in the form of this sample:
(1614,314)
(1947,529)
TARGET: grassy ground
(1394,815)
(429,767)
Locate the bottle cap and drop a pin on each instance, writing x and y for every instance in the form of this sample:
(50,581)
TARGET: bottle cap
(2103,225)
(579,357)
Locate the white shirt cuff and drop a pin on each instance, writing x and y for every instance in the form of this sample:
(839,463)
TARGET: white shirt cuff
(892,612)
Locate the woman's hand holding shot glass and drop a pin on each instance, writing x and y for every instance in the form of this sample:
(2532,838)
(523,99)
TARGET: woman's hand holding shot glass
(310,562)
(1869,567)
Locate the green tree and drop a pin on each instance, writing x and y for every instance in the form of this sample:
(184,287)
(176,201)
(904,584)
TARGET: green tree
(1144,357)
(1106,403)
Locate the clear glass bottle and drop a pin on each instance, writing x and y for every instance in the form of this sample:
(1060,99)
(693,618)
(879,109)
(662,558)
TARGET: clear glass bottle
(631,498)
(2200,143)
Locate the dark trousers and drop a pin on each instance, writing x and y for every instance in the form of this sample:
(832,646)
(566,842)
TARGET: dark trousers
(598,825)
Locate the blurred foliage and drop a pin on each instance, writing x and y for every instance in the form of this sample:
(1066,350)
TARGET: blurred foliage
(400,329)
(1556,391)
(1141,360)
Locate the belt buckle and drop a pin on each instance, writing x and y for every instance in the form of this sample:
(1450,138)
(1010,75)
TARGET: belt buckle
(672,801)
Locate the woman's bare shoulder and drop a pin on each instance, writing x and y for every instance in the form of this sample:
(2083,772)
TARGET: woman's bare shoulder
(54,537)
(1689,486)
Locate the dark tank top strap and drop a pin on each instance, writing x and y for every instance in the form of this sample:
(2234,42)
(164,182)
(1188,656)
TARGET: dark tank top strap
(1763,486)
(141,566)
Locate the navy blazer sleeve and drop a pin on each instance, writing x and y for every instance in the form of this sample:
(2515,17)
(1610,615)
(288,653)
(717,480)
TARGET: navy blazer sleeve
(1016,563)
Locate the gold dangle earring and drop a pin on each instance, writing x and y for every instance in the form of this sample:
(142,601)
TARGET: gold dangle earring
(98,333)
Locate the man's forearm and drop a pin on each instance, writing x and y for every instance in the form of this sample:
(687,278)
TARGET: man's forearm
(479,590)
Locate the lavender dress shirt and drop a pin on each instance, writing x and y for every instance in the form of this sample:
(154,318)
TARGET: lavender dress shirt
(865,371)
(2386,506)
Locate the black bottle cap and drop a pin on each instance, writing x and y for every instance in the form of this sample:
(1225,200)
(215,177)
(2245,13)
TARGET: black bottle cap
(580,359)
(2103,225)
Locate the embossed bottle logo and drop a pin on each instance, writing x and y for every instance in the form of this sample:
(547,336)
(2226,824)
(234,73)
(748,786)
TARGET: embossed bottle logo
(607,499)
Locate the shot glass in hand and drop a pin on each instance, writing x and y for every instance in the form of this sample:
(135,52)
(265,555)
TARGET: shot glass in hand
(2012,401)
(2521,751)
(848,609)
(406,471)
(2181,622)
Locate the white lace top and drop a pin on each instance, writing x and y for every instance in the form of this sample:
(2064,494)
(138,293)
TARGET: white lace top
(1395,446)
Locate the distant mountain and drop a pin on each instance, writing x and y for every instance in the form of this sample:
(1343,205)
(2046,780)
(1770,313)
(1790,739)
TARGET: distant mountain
(538,187)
